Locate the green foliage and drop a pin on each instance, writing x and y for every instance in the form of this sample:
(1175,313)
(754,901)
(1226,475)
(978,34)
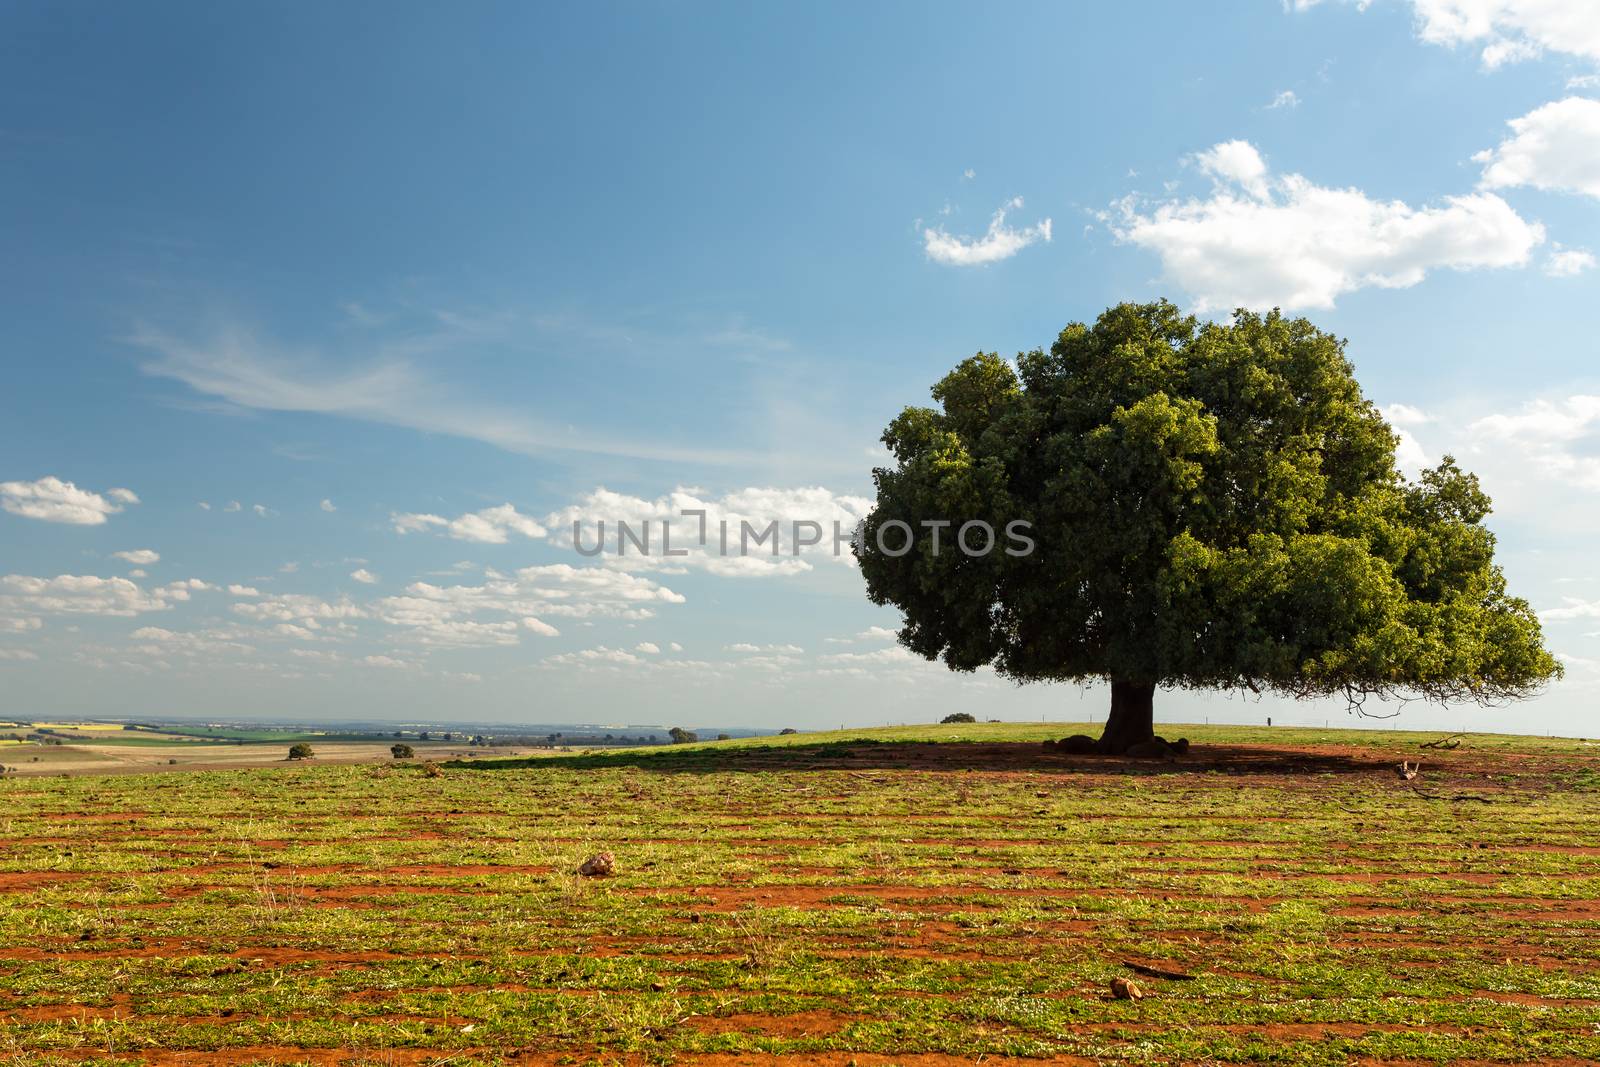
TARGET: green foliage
(680,736)
(958,716)
(301,750)
(1213,505)
(401,751)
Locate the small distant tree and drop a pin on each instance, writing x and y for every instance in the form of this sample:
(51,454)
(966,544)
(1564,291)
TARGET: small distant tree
(787,730)
(401,751)
(680,736)
(424,736)
(959,716)
(724,737)
(301,750)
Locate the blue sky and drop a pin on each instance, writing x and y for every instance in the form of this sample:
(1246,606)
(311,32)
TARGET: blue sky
(357,277)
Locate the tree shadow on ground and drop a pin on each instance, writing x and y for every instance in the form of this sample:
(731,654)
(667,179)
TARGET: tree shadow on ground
(867,755)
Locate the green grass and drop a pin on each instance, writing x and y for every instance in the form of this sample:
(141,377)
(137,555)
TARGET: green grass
(859,893)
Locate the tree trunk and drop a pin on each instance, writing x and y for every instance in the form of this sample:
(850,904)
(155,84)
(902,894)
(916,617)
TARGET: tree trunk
(1132,717)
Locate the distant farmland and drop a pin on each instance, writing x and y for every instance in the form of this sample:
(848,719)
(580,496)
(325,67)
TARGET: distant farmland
(913,896)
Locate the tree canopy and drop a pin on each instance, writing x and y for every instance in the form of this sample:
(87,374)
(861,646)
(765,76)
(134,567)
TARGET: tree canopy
(1211,505)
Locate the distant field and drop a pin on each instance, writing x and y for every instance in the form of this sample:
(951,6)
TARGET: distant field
(135,754)
(917,896)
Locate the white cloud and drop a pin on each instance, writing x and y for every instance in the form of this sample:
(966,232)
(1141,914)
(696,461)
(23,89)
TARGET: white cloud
(1555,146)
(327,505)
(1236,163)
(158,641)
(491,526)
(232,505)
(745,515)
(20,625)
(540,627)
(1572,608)
(243,590)
(674,646)
(303,611)
(393,387)
(746,648)
(1584,81)
(1557,439)
(1569,262)
(649,648)
(52,500)
(998,242)
(1262,240)
(259,509)
(71,594)
(893,656)
(1404,415)
(448,614)
(1510,30)
(1286,99)
(364,576)
(17,654)
(1504,31)
(589,656)
(385,661)
(204,506)
(139,557)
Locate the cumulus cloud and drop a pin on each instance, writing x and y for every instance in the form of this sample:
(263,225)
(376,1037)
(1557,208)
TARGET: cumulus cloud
(1569,262)
(327,505)
(1502,31)
(452,615)
(1404,415)
(364,576)
(52,500)
(1555,146)
(139,557)
(73,594)
(649,648)
(1557,439)
(997,243)
(1572,608)
(302,616)
(743,520)
(1264,240)
(491,526)
(1284,100)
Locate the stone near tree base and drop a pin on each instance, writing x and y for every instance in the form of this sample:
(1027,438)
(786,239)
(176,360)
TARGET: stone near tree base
(1076,745)
(600,865)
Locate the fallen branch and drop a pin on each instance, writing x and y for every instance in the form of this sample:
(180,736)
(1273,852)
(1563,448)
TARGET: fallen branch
(1157,972)
(1456,797)
(1453,741)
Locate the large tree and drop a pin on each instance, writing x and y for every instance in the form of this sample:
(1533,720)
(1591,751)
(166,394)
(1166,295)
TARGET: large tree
(1212,506)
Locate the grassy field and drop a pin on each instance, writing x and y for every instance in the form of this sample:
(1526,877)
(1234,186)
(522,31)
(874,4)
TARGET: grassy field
(911,896)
